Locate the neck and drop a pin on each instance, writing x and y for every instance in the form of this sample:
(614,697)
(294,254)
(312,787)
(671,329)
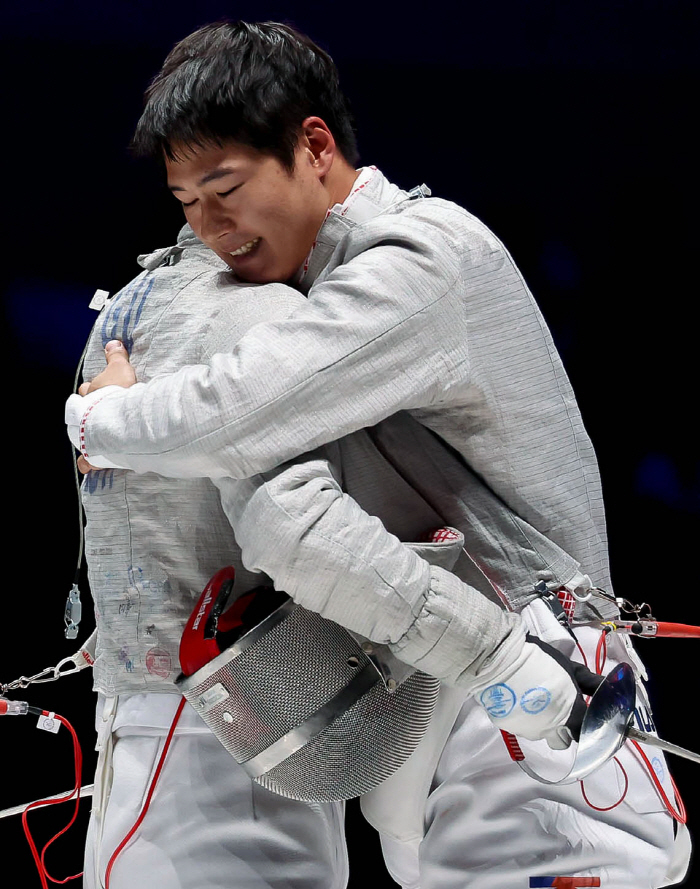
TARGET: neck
(339,181)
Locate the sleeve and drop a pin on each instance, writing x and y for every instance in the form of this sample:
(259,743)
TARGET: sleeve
(297,525)
(385,331)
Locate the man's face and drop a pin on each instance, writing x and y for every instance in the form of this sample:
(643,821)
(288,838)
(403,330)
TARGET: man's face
(244,205)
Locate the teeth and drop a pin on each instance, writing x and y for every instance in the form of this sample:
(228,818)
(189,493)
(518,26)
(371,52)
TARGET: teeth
(246,248)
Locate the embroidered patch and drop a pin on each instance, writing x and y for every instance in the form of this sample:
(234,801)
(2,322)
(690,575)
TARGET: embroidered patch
(644,719)
(441,535)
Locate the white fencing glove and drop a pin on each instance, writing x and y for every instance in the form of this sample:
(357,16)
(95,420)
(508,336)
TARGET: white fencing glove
(540,696)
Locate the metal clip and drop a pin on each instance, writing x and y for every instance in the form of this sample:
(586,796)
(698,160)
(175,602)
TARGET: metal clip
(47,675)
(65,667)
(73,613)
(641,612)
(420,191)
(553,603)
(59,671)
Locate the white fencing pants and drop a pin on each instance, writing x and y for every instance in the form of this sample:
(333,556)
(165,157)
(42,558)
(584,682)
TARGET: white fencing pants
(489,826)
(208,824)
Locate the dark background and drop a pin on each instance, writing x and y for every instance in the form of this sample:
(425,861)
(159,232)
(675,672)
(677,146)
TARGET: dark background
(566,126)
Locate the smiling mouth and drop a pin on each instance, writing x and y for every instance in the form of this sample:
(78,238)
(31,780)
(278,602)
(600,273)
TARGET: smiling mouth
(246,248)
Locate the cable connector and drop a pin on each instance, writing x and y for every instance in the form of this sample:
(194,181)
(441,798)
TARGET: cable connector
(13,708)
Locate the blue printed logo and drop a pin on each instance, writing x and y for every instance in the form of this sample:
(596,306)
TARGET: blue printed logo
(535,700)
(658,767)
(498,700)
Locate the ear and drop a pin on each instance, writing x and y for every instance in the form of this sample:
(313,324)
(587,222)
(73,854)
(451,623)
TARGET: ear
(318,142)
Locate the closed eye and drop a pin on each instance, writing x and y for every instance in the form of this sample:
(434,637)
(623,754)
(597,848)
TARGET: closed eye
(224,194)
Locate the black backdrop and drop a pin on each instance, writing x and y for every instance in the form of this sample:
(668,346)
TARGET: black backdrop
(566,126)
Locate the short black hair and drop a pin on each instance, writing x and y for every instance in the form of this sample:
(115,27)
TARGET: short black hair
(249,83)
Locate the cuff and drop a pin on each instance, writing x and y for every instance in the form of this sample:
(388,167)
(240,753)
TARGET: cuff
(458,631)
(78,410)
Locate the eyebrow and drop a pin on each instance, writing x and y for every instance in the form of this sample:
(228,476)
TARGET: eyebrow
(212,176)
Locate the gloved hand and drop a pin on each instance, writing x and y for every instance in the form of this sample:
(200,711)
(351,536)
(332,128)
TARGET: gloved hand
(540,697)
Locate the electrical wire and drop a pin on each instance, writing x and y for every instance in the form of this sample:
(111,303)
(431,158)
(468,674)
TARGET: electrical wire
(615,804)
(39,857)
(601,652)
(76,474)
(151,790)
(680,815)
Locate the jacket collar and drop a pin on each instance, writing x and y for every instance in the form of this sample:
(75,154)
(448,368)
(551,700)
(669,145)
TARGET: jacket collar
(370,195)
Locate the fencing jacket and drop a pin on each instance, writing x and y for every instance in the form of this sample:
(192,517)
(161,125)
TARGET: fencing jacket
(152,543)
(420,346)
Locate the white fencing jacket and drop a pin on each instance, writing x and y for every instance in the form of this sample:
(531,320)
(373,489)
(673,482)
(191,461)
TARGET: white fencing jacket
(421,349)
(152,543)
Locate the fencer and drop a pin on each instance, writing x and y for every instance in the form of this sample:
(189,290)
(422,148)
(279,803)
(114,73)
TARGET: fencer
(151,545)
(416,330)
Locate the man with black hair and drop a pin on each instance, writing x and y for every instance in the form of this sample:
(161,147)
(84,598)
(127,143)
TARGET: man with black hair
(418,327)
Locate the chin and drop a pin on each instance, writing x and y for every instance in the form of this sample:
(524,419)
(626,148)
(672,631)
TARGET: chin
(251,277)
(265,275)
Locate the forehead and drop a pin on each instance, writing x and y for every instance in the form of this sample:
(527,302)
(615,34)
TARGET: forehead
(197,165)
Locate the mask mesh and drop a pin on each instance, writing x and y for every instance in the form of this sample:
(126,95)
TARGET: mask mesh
(253,698)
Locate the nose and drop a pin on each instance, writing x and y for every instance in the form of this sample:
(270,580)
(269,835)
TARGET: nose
(215,222)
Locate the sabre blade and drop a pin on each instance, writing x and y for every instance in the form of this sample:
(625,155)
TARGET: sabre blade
(86,790)
(646,738)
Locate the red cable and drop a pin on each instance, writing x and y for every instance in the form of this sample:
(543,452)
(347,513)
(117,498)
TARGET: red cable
(600,657)
(614,805)
(582,653)
(601,654)
(680,816)
(676,631)
(151,790)
(39,858)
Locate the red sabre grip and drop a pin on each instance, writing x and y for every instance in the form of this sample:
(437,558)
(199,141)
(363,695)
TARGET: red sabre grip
(209,625)
(196,647)
(211,630)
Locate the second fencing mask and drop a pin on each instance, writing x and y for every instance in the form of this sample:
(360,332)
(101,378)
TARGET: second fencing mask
(308,709)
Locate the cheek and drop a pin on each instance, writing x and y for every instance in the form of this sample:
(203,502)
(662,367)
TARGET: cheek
(193,219)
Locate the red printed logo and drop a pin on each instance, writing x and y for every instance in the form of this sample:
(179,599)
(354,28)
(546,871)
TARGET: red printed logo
(159,662)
